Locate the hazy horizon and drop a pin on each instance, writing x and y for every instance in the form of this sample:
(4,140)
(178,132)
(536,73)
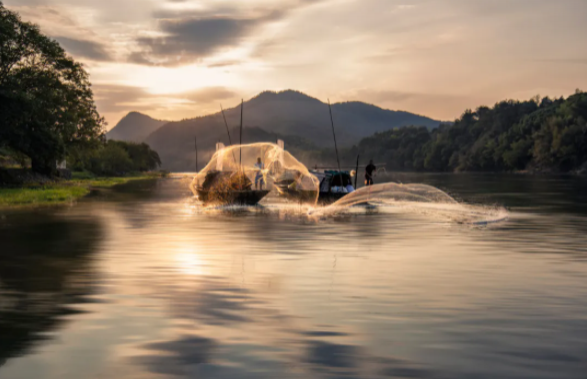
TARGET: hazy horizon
(178,59)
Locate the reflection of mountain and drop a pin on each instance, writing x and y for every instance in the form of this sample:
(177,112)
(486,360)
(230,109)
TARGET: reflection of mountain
(134,127)
(44,270)
(298,118)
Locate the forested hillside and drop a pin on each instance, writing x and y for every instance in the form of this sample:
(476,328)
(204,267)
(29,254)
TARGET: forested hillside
(288,113)
(546,135)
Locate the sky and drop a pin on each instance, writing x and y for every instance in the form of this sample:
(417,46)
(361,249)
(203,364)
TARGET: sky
(176,59)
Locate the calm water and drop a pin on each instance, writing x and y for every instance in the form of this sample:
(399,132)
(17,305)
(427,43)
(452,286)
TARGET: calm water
(138,283)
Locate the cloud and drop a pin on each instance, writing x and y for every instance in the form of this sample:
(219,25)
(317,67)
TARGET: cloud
(84,48)
(390,96)
(223,64)
(186,38)
(189,39)
(114,98)
(209,94)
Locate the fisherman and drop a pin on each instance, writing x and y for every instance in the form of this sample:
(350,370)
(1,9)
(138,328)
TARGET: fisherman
(369,170)
(296,182)
(259,180)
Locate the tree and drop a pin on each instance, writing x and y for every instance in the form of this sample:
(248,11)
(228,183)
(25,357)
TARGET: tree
(114,158)
(46,103)
(542,134)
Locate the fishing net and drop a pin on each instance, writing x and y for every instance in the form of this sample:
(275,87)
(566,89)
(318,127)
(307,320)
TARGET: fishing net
(252,170)
(415,198)
(396,192)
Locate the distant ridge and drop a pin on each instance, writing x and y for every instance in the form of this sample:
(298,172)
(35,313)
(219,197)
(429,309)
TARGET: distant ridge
(286,113)
(134,127)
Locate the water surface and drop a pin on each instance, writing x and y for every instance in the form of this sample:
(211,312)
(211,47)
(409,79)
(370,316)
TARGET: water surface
(138,282)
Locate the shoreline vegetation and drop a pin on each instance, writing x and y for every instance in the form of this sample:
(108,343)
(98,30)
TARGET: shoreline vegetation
(61,192)
(49,121)
(538,136)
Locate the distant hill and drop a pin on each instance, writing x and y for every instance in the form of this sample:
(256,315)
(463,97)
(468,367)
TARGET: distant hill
(537,135)
(134,127)
(288,114)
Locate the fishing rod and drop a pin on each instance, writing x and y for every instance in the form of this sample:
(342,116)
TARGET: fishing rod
(357,171)
(196,146)
(225,123)
(240,148)
(333,134)
(227,132)
(335,145)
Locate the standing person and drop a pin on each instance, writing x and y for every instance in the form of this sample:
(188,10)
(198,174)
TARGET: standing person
(369,170)
(296,182)
(259,176)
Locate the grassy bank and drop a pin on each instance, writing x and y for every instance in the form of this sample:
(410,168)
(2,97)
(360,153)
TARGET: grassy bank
(63,191)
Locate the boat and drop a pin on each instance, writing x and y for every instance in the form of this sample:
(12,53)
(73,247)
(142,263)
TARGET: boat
(332,187)
(225,181)
(226,184)
(333,184)
(228,188)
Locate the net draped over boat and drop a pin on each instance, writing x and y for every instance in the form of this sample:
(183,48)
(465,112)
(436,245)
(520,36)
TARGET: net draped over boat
(237,168)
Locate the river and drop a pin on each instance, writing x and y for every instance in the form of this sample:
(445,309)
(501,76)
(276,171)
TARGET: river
(139,282)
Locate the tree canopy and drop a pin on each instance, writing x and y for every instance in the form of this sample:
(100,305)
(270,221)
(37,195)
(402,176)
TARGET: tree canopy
(46,103)
(538,134)
(114,158)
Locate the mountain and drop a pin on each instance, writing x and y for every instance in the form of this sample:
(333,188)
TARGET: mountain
(134,127)
(287,114)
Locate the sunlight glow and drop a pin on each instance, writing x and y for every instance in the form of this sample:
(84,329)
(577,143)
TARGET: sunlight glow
(189,263)
(166,80)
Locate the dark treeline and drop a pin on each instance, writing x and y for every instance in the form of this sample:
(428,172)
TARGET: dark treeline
(542,135)
(47,110)
(114,158)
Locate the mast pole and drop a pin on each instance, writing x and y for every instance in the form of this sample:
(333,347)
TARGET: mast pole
(240,151)
(226,124)
(333,134)
(227,132)
(357,171)
(335,146)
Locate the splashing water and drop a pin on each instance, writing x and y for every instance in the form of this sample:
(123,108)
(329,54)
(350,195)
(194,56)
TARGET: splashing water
(235,169)
(417,198)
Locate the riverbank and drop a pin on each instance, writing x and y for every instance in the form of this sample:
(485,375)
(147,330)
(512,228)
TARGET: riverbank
(63,191)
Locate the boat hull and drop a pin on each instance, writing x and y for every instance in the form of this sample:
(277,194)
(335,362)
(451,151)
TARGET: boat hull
(301,196)
(244,198)
(326,198)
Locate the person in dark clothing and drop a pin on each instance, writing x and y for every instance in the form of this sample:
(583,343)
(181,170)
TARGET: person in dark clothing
(369,170)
